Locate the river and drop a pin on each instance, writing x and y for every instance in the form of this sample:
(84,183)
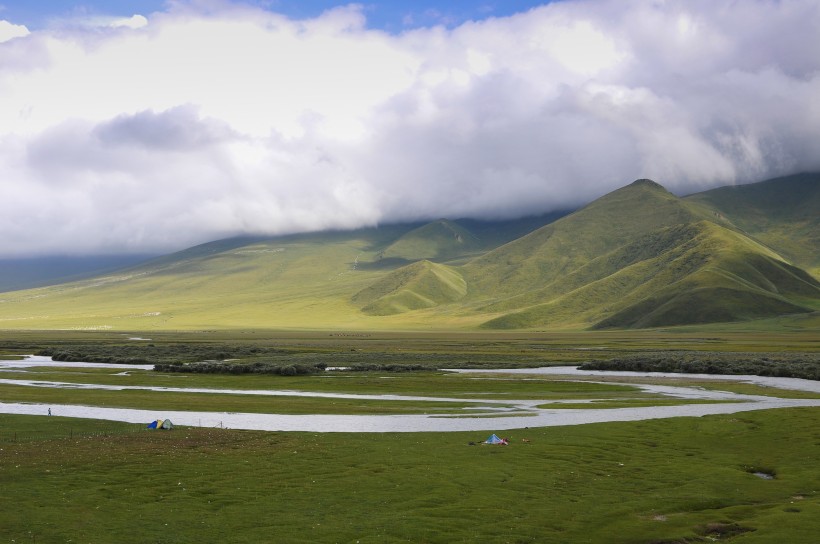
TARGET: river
(522,413)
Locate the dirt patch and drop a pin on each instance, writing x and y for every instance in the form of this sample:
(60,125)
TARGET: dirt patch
(720,530)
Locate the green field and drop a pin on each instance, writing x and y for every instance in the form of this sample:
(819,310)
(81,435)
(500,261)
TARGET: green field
(681,480)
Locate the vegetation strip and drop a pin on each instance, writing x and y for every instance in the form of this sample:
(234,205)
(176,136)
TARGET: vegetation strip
(791,365)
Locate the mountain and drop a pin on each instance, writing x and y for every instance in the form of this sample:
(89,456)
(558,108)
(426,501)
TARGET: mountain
(637,257)
(440,240)
(783,213)
(423,284)
(25,273)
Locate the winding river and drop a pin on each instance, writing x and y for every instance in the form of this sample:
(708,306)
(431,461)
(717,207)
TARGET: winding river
(515,414)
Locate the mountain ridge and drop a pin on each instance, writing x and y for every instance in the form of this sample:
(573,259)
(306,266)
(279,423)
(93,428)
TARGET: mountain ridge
(637,257)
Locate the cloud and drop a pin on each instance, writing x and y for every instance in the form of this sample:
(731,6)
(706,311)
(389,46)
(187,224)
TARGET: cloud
(174,130)
(10,31)
(214,118)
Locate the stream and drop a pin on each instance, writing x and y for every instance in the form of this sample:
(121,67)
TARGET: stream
(496,415)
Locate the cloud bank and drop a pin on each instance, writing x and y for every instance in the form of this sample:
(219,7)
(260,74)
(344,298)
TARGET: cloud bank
(211,119)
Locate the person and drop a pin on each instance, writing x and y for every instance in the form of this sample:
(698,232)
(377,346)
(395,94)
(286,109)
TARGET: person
(49,411)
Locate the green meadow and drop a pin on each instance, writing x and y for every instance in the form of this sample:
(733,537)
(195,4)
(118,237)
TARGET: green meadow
(745,478)
(680,480)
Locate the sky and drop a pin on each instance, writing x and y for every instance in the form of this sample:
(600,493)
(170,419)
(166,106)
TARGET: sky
(150,126)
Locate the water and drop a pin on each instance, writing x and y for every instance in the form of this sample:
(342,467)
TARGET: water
(32,361)
(795,384)
(524,413)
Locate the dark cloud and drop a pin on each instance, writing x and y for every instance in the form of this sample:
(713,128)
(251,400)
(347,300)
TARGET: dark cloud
(178,129)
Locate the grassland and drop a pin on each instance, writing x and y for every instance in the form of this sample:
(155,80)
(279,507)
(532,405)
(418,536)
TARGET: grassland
(683,480)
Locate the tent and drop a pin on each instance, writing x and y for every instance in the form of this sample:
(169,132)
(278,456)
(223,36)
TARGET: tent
(495,440)
(161,424)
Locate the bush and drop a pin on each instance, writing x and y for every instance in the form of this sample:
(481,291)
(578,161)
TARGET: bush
(785,365)
(256,367)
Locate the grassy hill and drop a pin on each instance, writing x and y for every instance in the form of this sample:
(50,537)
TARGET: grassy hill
(783,213)
(637,257)
(298,280)
(557,250)
(440,240)
(422,284)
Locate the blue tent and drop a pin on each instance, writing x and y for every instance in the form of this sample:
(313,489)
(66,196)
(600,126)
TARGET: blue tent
(495,440)
(160,424)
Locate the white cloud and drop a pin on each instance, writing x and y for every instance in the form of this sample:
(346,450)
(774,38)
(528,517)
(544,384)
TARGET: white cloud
(213,118)
(10,31)
(135,21)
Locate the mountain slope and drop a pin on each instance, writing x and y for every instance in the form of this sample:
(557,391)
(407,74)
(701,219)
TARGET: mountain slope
(783,213)
(303,280)
(637,257)
(420,285)
(697,273)
(560,249)
(440,240)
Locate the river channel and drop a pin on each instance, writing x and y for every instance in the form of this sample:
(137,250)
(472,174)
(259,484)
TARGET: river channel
(515,414)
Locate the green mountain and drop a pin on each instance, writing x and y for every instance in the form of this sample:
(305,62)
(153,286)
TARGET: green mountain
(783,213)
(440,240)
(637,257)
(422,284)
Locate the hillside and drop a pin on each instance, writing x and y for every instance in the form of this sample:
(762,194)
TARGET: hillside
(783,213)
(440,240)
(557,250)
(697,273)
(30,272)
(296,280)
(422,284)
(637,257)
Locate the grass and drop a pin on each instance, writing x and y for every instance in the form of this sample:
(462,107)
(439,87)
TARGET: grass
(625,403)
(682,480)
(781,213)
(678,480)
(210,402)
(472,391)
(439,240)
(423,384)
(423,284)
